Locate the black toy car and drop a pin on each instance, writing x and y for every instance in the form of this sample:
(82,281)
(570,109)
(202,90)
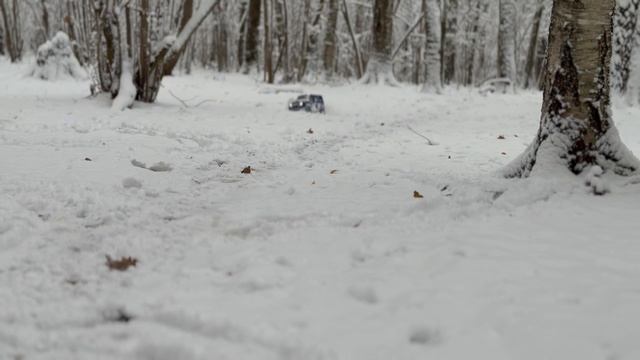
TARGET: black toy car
(308,103)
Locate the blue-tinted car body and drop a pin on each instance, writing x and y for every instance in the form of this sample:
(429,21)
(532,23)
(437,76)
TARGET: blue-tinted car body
(308,103)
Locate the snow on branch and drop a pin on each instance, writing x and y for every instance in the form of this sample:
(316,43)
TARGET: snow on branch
(178,42)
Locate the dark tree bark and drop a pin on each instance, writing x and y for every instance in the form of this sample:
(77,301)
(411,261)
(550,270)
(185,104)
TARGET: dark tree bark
(268,52)
(145,54)
(243,31)
(10,11)
(331,38)
(187,13)
(576,129)
(252,35)
(310,39)
(433,48)
(449,28)
(354,40)
(379,69)
(1,39)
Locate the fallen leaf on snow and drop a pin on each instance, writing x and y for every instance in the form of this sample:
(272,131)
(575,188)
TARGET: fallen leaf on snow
(160,167)
(417,195)
(121,265)
(247,170)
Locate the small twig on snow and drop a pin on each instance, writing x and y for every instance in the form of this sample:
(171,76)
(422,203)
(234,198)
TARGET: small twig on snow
(185,102)
(431,143)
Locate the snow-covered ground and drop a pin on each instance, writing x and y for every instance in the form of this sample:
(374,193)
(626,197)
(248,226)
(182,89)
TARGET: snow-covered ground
(322,252)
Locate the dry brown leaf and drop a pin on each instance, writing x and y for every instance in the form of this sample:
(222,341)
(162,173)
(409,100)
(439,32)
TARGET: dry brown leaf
(417,195)
(247,170)
(121,265)
(333,172)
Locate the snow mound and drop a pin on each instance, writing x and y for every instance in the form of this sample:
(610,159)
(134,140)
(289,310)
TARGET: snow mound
(55,60)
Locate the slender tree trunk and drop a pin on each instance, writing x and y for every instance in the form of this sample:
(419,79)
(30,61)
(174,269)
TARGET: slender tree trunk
(268,52)
(242,35)
(433,72)
(356,46)
(144,52)
(187,13)
(288,76)
(576,129)
(506,40)
(1,39)
(331,39)
(310,51)
(12,33)
(448,52)
(533,47)
(252,35)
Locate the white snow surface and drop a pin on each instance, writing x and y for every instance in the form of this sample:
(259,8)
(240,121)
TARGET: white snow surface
(322,252)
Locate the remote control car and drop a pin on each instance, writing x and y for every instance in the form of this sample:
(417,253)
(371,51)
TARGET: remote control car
(308,103)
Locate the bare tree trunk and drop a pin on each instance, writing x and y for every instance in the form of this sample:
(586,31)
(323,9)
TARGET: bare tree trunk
(356,46)
(506,40)
(1,39)
(12,33)
(251,37)
(288,76)
(310,50)
(268,52)
(433,72)
(331,39)
(222,44)
(144,52)
(576,129)
(187,13)
(449,30)
(533,46)
(242,35)
(379,68)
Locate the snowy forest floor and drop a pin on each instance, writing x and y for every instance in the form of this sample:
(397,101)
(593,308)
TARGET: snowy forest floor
(322,252)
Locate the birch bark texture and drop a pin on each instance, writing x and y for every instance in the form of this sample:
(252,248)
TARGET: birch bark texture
(576,128)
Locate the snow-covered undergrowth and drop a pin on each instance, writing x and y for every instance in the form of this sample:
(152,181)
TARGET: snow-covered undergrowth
(55,60)
(322,252)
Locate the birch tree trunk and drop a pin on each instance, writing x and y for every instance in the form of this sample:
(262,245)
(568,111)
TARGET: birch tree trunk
(379,68)
(576,130)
